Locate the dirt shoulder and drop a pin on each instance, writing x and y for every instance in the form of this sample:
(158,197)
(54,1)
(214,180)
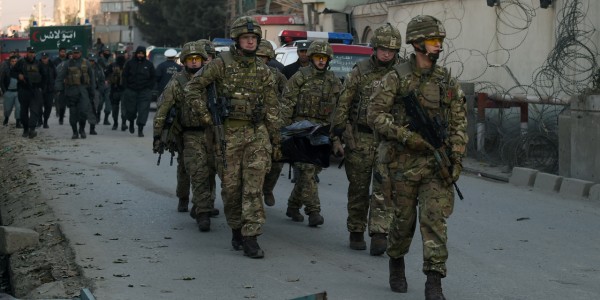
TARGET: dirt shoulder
(48,270)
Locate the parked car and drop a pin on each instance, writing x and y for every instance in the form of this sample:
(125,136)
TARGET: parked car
(344,57)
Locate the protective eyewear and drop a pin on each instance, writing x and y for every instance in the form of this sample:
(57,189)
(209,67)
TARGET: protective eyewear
(193,58)
(434,41)
(321,57)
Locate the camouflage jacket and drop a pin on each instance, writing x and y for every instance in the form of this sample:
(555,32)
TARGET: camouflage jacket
(173,95)
(386,113)
(246,82)
(354,99)
(311,94)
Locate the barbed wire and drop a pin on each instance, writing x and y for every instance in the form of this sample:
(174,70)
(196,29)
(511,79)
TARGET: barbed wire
(568,70)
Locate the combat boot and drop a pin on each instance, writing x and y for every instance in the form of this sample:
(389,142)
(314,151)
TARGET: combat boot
(182,206)
(357,241)
(269,198)
(60,120)
(131,127)
(25,133)
(32,133)
(433,286)
(397,276)
(75,133)
(378,244)
(251,247)
(82,130)
(140,131)
(314,219)
(93,130)
(5,123)
(19,125)
(106,122)
(294,213)
(123,126)
(115,125)
(46,124)
(203,221)
(237,240)
(214,212)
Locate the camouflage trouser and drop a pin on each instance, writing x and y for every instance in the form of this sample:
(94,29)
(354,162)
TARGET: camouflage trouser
(248,157)
(272,177)
(200,167)
(415,183)
(183,177)
(305,190)
(359,169)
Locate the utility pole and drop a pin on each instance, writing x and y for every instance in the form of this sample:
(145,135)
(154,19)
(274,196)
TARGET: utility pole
(81,13)
(39,6)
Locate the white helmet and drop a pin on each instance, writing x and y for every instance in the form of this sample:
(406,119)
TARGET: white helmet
(170,53)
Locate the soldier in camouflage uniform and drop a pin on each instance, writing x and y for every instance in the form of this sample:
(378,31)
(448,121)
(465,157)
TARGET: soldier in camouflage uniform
(192,142)
(209,47)
(246,85)
(350,117)
(266,53)
(310,94)
(414,173)
(77,80)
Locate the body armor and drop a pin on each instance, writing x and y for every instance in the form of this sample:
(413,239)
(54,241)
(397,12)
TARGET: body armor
(77,74)
(33,73)
(433,92)
(370,80)
(244,95)
(316,99)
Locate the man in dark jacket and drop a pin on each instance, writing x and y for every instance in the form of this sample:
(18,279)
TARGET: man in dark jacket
(166,69)
(302,61)
(49,71)
(139,79)
(31,81)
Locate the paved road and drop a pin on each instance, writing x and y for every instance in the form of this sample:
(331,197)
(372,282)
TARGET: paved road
(117,208)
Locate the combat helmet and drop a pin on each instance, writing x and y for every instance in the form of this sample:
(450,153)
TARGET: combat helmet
(387,36)
(424,27)
(320,47)
(245,25)
(265,49)
(208,46)
(192,48)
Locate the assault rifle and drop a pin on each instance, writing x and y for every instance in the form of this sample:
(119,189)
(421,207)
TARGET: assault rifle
(434,132)
(219,112)
(165,143)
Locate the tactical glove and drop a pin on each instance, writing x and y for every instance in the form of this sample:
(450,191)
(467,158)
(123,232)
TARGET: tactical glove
(277,154)
(417,143)
(456,166)
(156,145)
(337,149)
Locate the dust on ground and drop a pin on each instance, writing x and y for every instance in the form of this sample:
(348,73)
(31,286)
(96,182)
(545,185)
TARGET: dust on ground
(51,265)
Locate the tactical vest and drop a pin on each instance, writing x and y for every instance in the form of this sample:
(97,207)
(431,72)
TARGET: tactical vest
(370,79)
(77,74)
(115,76)
(242,89)
(316,98)
(433,92)
(184,116)
(33,73)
